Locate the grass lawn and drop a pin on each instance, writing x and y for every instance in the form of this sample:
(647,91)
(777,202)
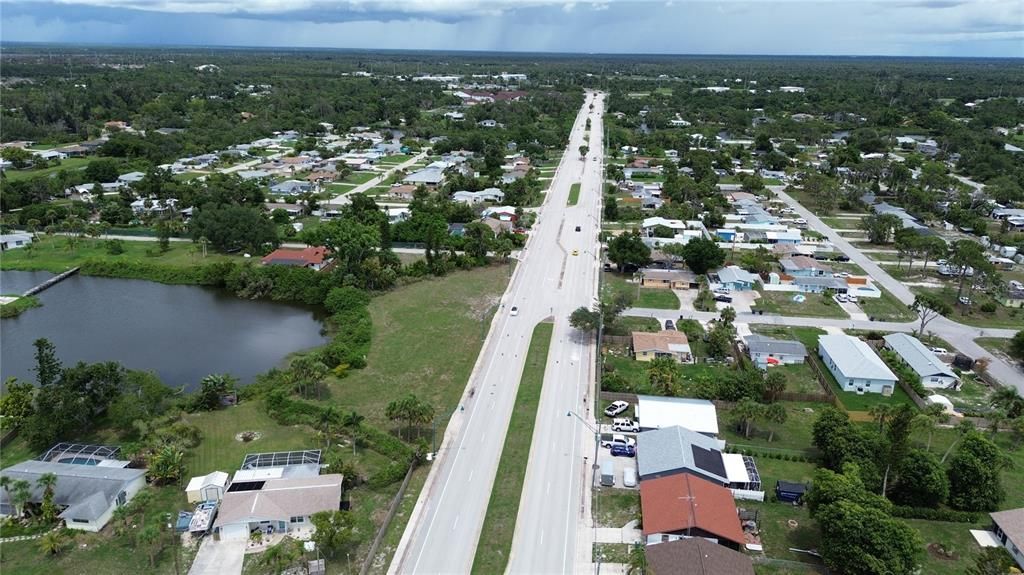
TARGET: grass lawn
(816,305)
(574,194)
(886,308)
(394,534)
(410,325)
(994,344)
(52,254)
(611,552)
(68,164)
(615,507)
(778,535)
(793,436)
(220,450)
(953,537)
(14,308)
(799,378)
(189,176)
(360,177)
(395,159)
(972,315)
(644,297)
(499,525)
(340,188)
(840,223)
(625,325)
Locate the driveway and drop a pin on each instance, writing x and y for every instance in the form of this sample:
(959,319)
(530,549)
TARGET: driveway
(741,301)
(853,310)
(686,298)
(219,558)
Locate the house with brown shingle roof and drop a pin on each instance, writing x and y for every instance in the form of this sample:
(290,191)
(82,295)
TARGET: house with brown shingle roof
(682,505)
(696,557)
(666,343)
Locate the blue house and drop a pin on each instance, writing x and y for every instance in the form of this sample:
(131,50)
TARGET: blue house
(803,266)
(734,278)
(291,187)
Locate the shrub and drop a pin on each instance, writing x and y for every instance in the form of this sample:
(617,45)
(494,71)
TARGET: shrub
(988,307)
(929,514)
(392,473)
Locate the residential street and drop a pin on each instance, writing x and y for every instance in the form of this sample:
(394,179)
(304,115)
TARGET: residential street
(342,199)
(445,525)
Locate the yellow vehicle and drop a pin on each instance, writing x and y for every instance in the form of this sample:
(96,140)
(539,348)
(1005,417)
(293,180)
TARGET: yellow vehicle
(575,252)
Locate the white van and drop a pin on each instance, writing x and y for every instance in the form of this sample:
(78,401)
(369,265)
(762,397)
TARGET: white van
(607,473)
(629,477)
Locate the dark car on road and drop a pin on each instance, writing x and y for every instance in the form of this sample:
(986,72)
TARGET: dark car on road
(723,298)
(669,325)
(623,451)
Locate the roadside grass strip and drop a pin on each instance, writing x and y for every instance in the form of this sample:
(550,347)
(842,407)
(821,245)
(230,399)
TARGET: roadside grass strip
(574,194)
(495,543)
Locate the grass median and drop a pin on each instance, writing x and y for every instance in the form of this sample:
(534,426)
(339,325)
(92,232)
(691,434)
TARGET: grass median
(574,194)
(500,523)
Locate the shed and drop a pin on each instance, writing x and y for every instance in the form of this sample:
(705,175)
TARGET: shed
(209,487)
(790,492)
(694,414)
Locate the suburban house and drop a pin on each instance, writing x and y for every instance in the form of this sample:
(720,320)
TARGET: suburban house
(1014,296)
(695,556)
(291,187)
(928,367)
(1008,527)
(487,195)
(404,192)
(682,231)
(654,412)
(683,506)
(803,266)
(429,177)
(87,494)
(735,278)
(131,177)
(209,487)
(765,351)
(292,210)
(275,505)
(670,279)
(676,449)
(667,343)
(819,284)
(312,257)
(855,366)
(13,241)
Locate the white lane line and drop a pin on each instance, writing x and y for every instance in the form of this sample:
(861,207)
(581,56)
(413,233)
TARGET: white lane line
(456,524)
(470,475)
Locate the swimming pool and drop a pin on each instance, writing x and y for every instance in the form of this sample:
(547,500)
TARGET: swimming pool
(80,461)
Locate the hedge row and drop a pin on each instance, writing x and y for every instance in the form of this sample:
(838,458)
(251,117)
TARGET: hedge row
(929,514)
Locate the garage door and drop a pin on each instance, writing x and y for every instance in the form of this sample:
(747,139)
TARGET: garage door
(234,532)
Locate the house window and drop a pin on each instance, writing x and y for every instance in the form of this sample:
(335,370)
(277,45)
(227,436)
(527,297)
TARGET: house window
(79,520)
(297,520)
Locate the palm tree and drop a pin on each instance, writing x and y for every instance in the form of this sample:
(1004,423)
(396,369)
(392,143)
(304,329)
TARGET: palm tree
(48,481)
(53,543)
(149,537)
(21,493)
(352,422)
(663,375)
(996,418)
(774,385)
(880,412)
(746,411)
(325,425)
(5,484)
(929,419)
(637,560)
(1010,400)
(774,413)
(32,226)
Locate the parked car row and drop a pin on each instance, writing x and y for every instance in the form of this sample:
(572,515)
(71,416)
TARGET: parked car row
(845,298)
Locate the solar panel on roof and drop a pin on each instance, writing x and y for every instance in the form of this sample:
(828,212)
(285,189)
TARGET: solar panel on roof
(708,460)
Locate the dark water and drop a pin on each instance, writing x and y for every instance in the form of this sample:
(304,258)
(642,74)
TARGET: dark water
(182,333)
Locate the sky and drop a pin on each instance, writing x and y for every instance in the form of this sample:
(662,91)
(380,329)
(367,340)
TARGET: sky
(963,28)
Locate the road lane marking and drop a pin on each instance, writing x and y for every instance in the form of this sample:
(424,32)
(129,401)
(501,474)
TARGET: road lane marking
(456,524)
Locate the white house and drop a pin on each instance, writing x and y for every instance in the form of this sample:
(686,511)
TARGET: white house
(131,177)
(698,415)
(86,494)
(13,241)
(209,487)
(765,351)
(1008,527)
(855,366)
(276,505)
(928,367)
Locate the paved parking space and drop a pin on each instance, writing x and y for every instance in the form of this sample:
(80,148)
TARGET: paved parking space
(619,463)
(686,298)
(219,557)
(741,301)
(853,309)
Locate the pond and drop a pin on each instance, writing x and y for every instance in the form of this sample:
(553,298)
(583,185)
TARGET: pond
(182,333)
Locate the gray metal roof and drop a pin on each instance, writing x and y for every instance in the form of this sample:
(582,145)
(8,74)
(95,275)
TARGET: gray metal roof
(853,358)
(764,344)
(426,176)
(828,282)
(674,449)
(75,483)
(917,356)
(733,274)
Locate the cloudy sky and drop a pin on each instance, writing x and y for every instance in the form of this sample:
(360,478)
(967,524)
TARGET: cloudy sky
(850,27)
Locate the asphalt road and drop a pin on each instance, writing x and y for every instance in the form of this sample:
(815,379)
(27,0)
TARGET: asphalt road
(549,281)
(549,510)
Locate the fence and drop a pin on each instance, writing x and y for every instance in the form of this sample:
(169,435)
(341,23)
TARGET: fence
(618,396)
(8,437)
(392,510)
(812,360)
(617,339)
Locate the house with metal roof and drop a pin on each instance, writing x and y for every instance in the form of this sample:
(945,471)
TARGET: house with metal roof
(855,366)
(928,367)
(804,266)
(819,284)
(734,278)
(429,177)
(765,351)
(655,412)
(676,449)
(87,494)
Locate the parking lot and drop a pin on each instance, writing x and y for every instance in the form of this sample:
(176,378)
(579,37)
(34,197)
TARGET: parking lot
(619,463)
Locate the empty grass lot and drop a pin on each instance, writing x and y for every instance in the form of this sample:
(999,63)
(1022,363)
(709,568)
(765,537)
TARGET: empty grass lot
(574,194)
(972,315)
(68,164)
(500,522)
(886,308)
(360,177)
(53,255)
(410,325)
(644,297)
(816,305)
